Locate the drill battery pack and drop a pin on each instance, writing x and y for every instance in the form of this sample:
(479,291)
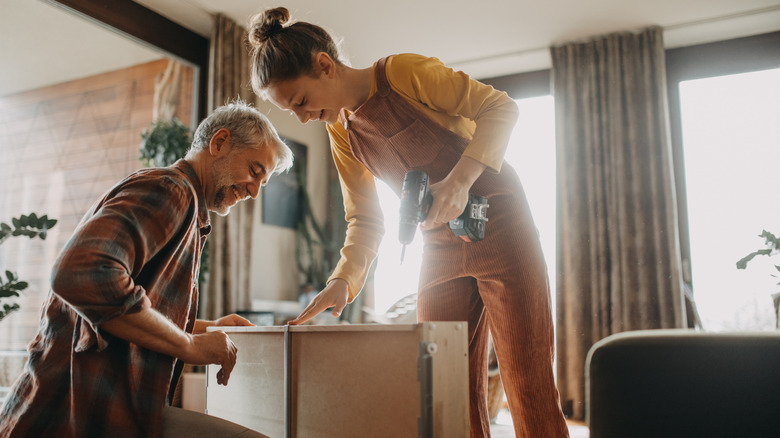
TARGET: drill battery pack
(470,225)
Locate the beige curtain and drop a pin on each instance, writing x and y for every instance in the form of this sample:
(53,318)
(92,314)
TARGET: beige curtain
(229,245)
(619,265)
(167,92)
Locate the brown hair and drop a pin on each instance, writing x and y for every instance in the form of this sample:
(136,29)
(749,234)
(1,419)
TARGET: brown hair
(282,50)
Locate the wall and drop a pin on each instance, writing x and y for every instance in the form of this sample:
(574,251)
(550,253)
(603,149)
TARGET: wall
(273,252)
(63,146)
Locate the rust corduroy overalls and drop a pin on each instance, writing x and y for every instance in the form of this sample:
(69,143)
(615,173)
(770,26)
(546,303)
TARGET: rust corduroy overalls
(499,283)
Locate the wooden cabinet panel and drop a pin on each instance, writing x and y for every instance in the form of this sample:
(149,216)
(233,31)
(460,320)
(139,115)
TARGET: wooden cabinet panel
(347,381)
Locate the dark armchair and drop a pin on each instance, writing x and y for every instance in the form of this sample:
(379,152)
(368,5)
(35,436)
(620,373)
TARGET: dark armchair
(684,383)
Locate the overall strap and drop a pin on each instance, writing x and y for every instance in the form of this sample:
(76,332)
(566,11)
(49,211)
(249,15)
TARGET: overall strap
(383,86)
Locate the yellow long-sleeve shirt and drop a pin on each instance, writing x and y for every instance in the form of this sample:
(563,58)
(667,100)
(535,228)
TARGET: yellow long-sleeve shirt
(452,99)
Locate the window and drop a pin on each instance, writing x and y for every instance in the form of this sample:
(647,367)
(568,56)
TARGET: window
(531,152)
(731,146)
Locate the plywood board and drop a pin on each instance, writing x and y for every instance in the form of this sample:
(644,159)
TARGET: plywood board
(347,381)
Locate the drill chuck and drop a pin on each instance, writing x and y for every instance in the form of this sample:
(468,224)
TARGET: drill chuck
(416,200)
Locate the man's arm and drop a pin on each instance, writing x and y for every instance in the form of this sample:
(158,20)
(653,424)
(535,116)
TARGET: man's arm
(150,329)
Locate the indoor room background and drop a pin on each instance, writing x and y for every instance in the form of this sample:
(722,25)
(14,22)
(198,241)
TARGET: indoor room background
(76,96)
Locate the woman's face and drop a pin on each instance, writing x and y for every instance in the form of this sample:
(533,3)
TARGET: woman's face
(309,98)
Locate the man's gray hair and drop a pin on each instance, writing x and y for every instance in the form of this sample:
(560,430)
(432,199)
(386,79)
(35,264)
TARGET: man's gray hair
(248,128)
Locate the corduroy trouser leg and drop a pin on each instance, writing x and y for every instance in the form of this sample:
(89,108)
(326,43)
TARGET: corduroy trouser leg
(498,285)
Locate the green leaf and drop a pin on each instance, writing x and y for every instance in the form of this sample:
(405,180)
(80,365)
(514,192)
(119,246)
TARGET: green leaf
(17,223)
(9,292)
(10,275)
(50,223)
(742,263)
(164,142)
(7,310)
(770,238)
(5,227)
(22,285)
(32,220)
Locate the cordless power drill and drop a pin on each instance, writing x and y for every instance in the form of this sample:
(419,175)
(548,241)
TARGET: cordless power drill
(416,200)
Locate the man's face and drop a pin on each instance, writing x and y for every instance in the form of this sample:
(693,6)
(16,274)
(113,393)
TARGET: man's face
(239,175)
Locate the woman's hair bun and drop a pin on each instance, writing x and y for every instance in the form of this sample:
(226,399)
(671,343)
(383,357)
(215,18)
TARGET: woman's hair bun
(267,24)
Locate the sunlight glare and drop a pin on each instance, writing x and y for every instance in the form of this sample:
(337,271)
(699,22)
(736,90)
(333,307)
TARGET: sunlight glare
(731,137)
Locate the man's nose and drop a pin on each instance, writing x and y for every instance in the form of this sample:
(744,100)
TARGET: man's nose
(254,189)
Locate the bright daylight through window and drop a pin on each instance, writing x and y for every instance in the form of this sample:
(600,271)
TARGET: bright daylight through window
(531,152)
(731,142)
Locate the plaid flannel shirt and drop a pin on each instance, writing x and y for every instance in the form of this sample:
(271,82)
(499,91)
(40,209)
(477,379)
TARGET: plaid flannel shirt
(138,246)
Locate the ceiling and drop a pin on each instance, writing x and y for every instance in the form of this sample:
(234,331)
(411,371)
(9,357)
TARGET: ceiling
(41,44)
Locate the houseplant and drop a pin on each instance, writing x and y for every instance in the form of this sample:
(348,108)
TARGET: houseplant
(164,142)
(771,249)
(31,226)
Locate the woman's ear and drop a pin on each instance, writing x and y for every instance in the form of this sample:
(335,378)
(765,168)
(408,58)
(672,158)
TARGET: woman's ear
(325,64)
(219,145)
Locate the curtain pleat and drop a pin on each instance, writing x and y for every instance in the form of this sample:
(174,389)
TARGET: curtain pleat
(619,264)
(230,252)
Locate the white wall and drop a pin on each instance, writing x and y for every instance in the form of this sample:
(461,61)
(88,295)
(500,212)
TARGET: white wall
(275,274)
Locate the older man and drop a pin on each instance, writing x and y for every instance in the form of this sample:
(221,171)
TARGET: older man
(123,300)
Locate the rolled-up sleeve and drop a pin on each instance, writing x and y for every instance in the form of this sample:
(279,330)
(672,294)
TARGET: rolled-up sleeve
(96,270)
(365,221)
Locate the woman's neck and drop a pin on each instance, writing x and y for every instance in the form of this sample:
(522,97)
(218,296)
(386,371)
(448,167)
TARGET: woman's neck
(357,85)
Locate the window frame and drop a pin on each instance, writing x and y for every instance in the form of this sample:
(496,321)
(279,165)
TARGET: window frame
(143,25)
(740,55)
(735,56)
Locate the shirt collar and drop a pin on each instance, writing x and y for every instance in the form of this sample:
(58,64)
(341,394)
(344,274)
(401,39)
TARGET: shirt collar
(204,221)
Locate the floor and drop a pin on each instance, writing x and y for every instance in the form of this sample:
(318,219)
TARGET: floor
(502,428)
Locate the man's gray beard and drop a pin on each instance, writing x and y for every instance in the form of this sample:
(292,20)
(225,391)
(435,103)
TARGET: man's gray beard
(220,169)
(219,198)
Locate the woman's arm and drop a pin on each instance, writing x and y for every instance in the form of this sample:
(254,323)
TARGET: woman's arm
(462,105)
(365,220)
(457,102)
(451,194)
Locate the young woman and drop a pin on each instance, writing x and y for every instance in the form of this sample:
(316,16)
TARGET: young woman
(412,112)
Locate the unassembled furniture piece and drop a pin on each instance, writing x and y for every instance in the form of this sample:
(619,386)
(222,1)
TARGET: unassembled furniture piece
(683,383)
(366,380)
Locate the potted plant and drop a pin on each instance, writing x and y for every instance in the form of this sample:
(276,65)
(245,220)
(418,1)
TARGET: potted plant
(771,249)
(164,142)
(26,225)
